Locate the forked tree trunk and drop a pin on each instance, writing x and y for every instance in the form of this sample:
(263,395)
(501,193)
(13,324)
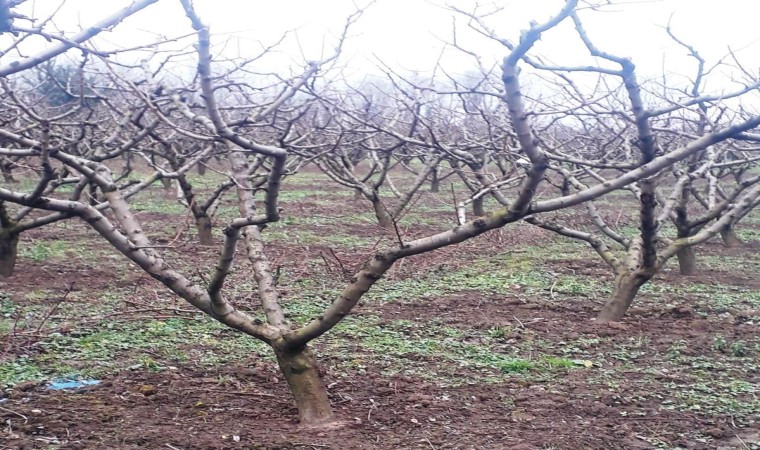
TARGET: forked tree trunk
(730,239)
(300,371)
(626,287)
(687,261)
(203,224)
(8,253)
(477,207)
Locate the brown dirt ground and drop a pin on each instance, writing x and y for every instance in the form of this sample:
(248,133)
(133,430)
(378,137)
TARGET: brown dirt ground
(190,408)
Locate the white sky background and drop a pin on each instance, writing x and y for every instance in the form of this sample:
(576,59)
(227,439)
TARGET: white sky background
(408,34)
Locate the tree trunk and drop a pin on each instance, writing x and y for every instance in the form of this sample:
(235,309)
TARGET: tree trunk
(730,239)
(201,168)
(167,182)
(477,207)
(383,218)
(8,253)
(687,261)
(358,194)
(626,287)
(300,371)
(435,183)
(203,224)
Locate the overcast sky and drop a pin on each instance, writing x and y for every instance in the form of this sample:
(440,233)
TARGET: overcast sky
(409,34)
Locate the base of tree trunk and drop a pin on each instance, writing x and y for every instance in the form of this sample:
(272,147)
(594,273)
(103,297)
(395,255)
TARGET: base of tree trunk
(200,168)
(730,239)
(8,253)
(626,288)
(203,224)
(300,371)
(167,183)
(477,207)
(687,261)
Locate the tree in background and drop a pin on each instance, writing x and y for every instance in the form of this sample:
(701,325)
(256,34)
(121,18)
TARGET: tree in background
(262,136)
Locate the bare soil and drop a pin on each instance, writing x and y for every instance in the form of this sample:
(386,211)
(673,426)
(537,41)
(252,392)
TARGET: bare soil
(246,405)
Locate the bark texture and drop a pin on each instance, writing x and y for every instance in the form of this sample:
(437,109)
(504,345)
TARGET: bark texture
(626,288)
(477,207)
(381,213)
(8,253)
(203,224)
(435,183)
(730,239)
(299,368)
(687,261)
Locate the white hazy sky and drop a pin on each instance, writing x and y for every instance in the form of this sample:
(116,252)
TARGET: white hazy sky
(408,33)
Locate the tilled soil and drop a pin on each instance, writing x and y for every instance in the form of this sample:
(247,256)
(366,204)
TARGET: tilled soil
(247,404)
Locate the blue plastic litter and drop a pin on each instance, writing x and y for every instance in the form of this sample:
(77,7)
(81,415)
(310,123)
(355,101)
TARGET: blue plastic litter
(71,383)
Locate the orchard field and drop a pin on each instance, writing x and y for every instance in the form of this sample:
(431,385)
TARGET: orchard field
(490,344)
(492,226)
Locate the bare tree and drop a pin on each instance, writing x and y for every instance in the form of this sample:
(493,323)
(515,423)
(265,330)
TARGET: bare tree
(656,132)
(253,151)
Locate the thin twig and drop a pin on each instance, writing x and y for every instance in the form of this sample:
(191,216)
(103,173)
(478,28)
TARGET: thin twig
(398,232)
(340,263)
(26,419)
(243,393)
(58,303)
